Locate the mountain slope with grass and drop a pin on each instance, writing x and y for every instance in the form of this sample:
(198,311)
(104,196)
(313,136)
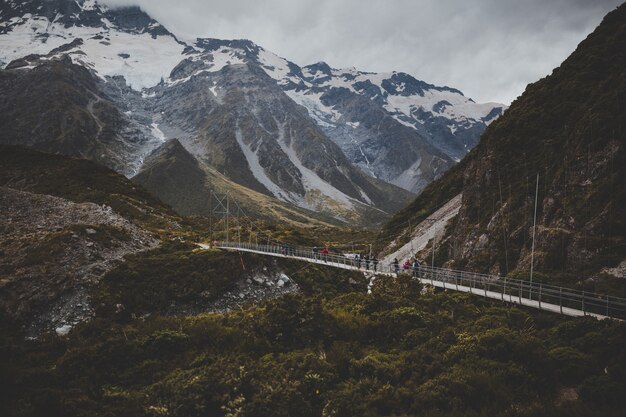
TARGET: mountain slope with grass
(185,183)
(567,128)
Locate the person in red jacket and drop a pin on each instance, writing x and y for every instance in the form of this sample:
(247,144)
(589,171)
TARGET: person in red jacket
(325,254)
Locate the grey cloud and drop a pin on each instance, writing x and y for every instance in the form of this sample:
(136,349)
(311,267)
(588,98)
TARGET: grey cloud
(489,49)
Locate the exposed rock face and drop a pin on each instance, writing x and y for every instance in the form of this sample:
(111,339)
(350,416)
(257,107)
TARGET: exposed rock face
(253,133)
(565,128)
(59,107)
(258,287)
(396,128)
(54,250)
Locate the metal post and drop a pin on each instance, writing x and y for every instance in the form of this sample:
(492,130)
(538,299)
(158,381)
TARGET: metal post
(434,243)
(210,218)
(227,214)
(411,238)
(583,301)
(532,251)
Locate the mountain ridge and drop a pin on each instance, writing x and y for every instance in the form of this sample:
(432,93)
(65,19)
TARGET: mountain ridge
(323,156)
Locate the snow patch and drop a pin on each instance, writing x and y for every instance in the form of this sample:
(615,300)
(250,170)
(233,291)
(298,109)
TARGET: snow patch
(225,56)
(151,59)
(213,89)
(258,171)
(324,116)
(63,330)
(157,133)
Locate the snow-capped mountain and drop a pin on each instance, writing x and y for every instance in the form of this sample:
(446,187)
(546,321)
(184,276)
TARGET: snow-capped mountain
(351,106)
(113,84)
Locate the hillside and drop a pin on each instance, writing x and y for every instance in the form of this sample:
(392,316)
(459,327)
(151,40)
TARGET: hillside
(568,129)
(123,294)
(171,173)
(79,180)
(65,223)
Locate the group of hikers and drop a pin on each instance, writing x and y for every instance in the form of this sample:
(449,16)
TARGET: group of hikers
(409,264)
(359,260)
(324,253)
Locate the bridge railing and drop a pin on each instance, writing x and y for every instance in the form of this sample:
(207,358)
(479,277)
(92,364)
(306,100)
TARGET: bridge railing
(540,295)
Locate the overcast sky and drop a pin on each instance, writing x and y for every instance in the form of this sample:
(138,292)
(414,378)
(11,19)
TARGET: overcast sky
(489,49)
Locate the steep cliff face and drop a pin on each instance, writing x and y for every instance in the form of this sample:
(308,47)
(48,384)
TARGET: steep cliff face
(59,107)
(241,123)
(566,128)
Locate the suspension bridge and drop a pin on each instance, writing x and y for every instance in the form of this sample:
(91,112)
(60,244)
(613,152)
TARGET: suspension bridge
(551,298)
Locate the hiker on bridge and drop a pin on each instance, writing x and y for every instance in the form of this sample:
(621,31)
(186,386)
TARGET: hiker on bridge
(396,266)
(375,262)
(407,265)
(325,254)
(416,268)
